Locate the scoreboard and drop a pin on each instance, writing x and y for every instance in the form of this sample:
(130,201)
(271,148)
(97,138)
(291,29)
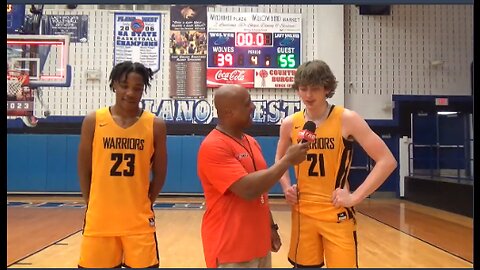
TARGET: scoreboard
(254,50)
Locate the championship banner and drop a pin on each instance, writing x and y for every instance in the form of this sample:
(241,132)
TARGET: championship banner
(188,51)
(137,38)
(266,45)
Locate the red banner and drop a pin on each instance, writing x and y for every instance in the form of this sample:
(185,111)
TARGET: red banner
(217,77)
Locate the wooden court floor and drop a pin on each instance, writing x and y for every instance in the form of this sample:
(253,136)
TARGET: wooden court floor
(392,233)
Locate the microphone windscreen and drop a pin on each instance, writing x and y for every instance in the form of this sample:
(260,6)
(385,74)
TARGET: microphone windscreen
(307,134)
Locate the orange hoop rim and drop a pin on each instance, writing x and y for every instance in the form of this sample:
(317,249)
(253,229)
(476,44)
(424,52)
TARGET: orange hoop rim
(16,72)
(20,75)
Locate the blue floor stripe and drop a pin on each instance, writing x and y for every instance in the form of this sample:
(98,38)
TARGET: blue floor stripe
(50,204)
(16,203)
(82,205)
(163,205)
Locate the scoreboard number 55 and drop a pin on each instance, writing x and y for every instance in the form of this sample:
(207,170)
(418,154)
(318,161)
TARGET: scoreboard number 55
(286,60)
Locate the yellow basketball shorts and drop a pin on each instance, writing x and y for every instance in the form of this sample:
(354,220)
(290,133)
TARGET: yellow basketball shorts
(134,251)
(316,243)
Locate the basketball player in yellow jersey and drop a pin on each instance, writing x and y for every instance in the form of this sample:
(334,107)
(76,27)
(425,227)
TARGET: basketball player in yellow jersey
(122,164)
(323,220)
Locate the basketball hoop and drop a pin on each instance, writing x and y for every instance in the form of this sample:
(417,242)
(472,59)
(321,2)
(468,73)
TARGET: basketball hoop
(18,90)
(17,85)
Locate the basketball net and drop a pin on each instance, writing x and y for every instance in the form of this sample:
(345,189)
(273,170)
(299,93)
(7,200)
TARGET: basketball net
(17,84)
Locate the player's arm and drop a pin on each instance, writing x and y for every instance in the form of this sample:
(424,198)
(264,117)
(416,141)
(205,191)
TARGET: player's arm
(84,163)
(385,163)
(159,164)
(284,141)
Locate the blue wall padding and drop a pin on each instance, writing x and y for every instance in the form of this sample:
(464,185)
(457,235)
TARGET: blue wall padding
(48,163)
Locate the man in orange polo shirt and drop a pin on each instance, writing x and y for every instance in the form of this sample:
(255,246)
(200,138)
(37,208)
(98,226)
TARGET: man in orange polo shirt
(237,228)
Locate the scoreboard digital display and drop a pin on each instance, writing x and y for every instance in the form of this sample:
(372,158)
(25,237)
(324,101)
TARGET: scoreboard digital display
(255,58)
(254,50)
(253,39)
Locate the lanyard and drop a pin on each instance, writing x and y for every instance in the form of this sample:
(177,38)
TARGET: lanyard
(249,150)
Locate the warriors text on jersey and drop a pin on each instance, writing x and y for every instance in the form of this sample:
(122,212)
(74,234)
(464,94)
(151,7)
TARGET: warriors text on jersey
(325,169)
(121,165)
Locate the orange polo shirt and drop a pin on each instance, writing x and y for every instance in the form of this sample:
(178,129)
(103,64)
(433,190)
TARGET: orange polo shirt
(233,229)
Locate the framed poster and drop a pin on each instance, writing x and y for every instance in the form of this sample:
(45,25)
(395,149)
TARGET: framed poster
(137,38)
(188,51)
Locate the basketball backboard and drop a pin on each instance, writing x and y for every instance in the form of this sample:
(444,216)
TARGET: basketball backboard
(43,57)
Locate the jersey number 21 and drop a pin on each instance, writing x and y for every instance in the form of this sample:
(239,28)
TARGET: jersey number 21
(314,159)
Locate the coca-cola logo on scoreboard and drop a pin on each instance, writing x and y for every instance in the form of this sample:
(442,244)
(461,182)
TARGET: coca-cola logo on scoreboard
(219,77)
(227,75)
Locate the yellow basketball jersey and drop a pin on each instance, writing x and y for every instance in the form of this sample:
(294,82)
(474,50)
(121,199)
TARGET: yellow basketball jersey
(121,163)
(326,167)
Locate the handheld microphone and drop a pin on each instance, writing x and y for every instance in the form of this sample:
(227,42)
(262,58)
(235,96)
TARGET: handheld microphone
(307,134)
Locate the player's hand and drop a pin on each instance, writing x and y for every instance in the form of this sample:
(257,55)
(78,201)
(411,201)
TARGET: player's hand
(342,197)
(291,195)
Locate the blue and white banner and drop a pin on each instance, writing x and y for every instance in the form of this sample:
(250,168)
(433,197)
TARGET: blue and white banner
(137,38)
(200,111)
(75,26)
